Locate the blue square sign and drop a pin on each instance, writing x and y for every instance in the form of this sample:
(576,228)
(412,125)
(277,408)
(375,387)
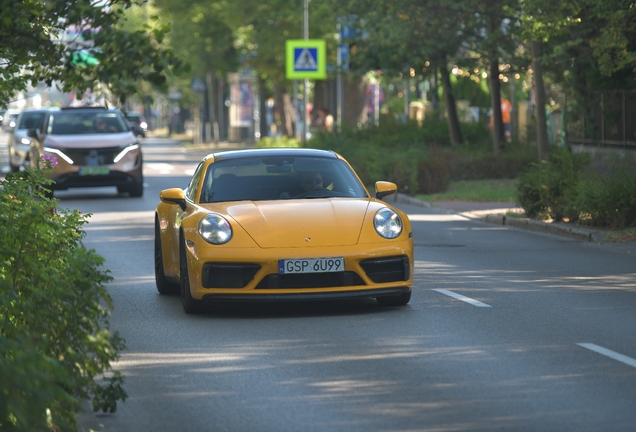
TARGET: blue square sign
(305,59)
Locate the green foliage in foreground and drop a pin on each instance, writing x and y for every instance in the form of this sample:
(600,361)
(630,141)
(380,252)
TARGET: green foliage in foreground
(565,186)
(54,333)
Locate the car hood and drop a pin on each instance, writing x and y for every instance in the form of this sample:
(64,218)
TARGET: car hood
(18,134)
(90,140)
(301,223)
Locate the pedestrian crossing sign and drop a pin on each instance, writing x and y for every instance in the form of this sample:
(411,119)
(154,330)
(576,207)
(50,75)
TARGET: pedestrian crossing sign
(306,59)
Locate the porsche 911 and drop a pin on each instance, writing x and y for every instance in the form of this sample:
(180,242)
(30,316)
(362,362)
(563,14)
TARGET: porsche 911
(281,225)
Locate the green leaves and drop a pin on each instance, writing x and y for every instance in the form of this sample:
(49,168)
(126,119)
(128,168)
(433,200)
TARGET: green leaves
(54,307)
(79,43)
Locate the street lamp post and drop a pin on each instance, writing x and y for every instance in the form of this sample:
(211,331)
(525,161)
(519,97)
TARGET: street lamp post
(305,81)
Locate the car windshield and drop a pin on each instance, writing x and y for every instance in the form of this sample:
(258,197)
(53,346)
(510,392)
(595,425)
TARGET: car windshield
(30,120)
(85,122)
(279,177)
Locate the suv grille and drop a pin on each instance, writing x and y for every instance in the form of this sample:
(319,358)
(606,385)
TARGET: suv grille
(93,157)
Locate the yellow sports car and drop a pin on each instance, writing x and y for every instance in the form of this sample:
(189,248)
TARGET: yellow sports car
(281,224)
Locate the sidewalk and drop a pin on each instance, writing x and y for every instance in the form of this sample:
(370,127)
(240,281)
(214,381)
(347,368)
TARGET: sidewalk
(498,213)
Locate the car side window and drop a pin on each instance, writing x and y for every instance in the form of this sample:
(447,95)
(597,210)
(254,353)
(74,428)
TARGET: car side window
(193,187)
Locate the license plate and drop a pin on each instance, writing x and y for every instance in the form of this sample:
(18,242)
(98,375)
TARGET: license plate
(99,170)
(311,265)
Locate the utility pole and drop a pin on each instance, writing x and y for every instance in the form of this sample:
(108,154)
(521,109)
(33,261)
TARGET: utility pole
(305,81)
(339,83)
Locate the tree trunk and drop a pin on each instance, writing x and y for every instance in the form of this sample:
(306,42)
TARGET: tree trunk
(262,108)
(284,112)
(325,96)
(354,99)
(211,104)
(495,102)
(539,88)
(451,108)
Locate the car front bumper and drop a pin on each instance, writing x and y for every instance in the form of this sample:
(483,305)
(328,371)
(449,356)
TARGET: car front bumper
(370,270)
(126,172)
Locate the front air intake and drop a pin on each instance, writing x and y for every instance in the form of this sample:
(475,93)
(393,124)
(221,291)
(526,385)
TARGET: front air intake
(223,275)
(394,269)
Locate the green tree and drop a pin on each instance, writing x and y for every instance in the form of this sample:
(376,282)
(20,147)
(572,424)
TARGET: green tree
(79,44)
(404,36)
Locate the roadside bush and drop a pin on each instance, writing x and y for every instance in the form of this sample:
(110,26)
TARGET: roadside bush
(484,165)
(549,188)
(400,152)
(54,334)
(433,174)
(609,199)
(269,142)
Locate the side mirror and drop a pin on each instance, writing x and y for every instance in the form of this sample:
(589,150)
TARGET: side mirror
(174,196)
(32,133)
(384,188)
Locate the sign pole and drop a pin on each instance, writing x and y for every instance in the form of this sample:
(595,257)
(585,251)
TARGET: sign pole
(306,81)
(339,82)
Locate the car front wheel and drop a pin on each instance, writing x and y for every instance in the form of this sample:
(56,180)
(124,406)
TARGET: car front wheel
(163,285)
(190,305)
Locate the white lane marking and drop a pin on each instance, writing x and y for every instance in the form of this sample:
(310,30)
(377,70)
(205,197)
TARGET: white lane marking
(161,168)
(462,298)
(609,353)
(435,217)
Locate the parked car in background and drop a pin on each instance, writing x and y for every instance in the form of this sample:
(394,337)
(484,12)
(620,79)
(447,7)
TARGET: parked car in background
(281,225)
(19,143)
(93,147)
(8,119)
(138,123)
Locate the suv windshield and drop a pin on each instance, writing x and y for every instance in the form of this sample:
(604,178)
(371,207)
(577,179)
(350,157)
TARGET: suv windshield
(85,122)
(30,120)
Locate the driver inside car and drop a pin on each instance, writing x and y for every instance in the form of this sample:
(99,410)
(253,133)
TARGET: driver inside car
(310,180)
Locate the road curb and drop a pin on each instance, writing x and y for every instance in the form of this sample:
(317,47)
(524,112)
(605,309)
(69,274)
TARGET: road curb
(556,228)
(405,199)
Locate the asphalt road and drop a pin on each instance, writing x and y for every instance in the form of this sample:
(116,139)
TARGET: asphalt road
(507,330)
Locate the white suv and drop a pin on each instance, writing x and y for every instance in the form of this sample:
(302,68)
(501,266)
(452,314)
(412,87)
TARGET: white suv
(93,147)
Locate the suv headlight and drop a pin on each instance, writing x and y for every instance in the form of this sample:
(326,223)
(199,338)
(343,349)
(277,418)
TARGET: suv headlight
(59,153)
(387,223)
(125,151)
(215,229)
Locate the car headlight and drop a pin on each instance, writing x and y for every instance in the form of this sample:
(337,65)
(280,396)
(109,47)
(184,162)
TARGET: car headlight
(215,229)
(125,151)
(387,223)
(58,153)
(25,141)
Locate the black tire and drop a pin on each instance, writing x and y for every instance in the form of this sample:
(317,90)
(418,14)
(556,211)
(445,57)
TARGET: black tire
(190,305)
(163,285)
(13,168)
(137,190)
(395,300)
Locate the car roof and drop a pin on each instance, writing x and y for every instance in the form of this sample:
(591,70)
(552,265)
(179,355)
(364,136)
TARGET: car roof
(88,109)
(39,110)
(271,152)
